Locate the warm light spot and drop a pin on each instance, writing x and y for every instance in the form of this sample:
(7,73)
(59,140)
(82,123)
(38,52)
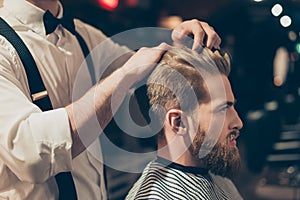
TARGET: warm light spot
(170,21)
(292,36)
(280,66)
(271,105)
(278,81)
(131,3)
(109,4)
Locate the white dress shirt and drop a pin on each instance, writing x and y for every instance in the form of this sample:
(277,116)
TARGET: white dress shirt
(36,145)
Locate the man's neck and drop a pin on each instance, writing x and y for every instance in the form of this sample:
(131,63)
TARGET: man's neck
(184,158)
(51,5)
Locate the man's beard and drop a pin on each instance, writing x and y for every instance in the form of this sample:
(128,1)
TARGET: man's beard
(223,159)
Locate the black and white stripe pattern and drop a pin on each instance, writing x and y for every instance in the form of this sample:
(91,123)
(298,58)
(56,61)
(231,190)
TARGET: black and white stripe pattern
(174,181)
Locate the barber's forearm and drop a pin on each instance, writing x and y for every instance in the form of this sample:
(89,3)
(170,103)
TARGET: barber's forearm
(108,94)
(96,103)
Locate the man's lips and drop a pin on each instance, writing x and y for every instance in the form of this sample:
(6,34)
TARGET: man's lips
(233,136)
(233,142)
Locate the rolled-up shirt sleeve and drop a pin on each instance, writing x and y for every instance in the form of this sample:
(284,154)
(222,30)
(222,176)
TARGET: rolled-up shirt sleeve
(51,134)
(34,145)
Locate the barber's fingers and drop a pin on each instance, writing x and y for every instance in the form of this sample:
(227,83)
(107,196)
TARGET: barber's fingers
(146,55)
(202,32)
(186,28)
(163,47)
(144,60)
(213,40)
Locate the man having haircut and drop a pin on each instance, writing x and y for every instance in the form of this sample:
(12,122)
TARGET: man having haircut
(193,106)
(53,105)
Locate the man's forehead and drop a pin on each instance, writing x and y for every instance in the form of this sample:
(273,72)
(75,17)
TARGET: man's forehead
(219,89)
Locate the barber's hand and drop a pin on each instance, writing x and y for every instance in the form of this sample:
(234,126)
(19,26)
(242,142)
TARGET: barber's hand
(143,61)
(200,30)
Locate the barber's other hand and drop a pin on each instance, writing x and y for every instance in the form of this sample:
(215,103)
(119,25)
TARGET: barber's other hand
(200,30)
(143,61)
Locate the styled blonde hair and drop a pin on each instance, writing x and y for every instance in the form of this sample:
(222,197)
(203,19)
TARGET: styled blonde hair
(178,79)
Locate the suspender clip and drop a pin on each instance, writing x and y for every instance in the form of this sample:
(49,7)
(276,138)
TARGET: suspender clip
(39,95)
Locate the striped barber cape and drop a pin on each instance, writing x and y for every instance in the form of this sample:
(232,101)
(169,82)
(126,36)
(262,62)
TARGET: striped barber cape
(164,180)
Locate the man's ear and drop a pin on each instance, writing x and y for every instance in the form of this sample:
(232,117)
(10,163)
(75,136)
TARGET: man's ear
(177,121)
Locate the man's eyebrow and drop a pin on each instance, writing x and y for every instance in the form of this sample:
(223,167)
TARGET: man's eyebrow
(228,103)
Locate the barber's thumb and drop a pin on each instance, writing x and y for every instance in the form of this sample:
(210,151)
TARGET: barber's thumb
(164,46)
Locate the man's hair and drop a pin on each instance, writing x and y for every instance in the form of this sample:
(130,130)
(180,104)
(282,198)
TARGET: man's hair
(179,79)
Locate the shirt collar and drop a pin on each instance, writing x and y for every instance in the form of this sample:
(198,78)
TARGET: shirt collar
(29,14)
(188,169)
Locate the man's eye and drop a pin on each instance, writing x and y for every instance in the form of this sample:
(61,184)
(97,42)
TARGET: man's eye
(222,109)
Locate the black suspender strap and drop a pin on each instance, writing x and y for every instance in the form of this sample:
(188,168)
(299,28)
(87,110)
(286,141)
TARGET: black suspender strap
(36,85)
(39,97)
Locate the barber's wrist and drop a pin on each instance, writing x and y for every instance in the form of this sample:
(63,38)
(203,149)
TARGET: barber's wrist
(129,77)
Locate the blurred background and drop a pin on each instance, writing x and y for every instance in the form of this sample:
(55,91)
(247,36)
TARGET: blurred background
(263,39)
